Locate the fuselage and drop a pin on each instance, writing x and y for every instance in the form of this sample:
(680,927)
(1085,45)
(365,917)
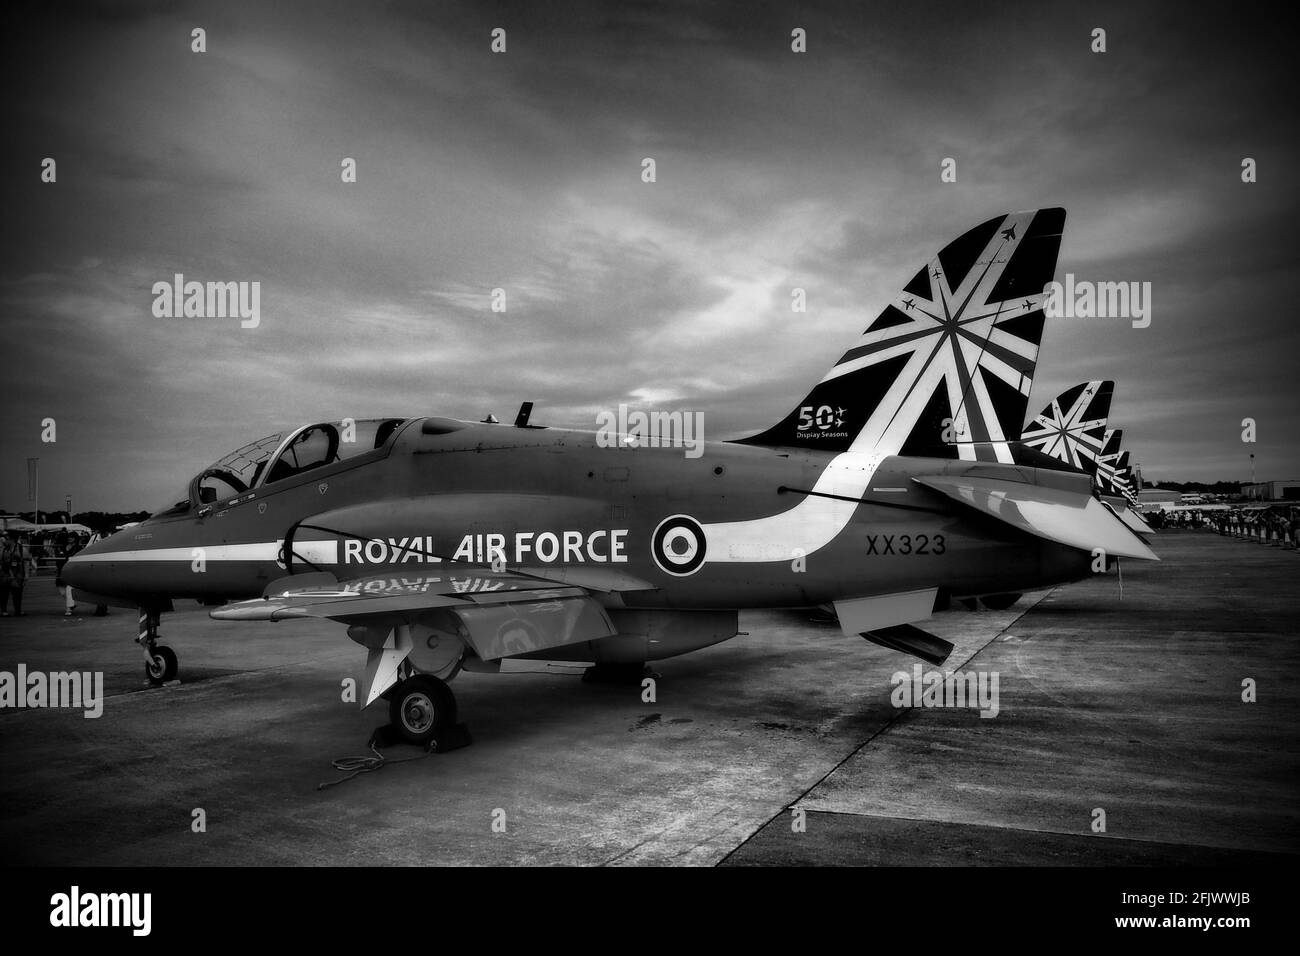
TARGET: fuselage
(738,526)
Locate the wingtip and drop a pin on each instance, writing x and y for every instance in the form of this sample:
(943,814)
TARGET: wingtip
(1140,551)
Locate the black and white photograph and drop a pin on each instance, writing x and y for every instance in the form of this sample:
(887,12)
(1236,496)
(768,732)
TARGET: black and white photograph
(817,435)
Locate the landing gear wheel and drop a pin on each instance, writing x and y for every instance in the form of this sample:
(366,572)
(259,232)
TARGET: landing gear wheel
(999,602)
(420,707)
(162,665)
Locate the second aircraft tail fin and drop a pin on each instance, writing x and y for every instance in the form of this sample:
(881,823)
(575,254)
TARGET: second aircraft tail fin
(1072,429)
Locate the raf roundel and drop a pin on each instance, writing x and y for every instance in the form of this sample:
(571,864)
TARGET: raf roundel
(678,545)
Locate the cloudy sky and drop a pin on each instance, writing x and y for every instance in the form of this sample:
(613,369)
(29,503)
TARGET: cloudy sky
(522,171)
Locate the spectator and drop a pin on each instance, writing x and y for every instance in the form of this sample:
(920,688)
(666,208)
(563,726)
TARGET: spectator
(15,563)
(71,545)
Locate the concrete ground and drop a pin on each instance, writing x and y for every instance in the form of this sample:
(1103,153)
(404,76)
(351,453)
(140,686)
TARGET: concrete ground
(1132,707)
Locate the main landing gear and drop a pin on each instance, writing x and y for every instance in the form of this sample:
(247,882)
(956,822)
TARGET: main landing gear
(420,706)
(160,663)
(422,711)
(409,667)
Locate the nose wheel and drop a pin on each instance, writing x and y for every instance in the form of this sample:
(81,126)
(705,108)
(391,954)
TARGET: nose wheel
(160,662)
(161,665)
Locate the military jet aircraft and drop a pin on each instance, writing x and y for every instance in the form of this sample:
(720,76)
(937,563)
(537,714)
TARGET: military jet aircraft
(445,545)
(1073,430)
(1115,478)
(1072,427)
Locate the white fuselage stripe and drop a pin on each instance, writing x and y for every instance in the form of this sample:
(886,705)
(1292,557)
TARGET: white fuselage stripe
(317,552)
(809,526)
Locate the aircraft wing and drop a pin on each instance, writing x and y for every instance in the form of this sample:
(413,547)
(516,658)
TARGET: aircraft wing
(498,613)
(1132,520)
(1064,517)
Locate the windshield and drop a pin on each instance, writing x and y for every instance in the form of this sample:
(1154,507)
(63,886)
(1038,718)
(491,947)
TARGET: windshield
(242,467)
(232,475)
(284,455)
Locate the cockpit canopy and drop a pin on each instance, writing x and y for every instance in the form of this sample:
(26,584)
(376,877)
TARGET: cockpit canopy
(285,455)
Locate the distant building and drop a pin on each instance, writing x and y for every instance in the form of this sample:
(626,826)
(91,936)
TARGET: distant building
(1272,490)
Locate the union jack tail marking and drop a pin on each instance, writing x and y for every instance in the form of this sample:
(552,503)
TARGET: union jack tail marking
(1072,429)
(946,368)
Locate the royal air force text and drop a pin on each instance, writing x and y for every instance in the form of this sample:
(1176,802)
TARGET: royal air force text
(565,547)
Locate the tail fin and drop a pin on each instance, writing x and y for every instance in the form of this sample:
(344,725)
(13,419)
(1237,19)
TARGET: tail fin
(948,364)
(1110,464)
(1072,428)
(1124,479)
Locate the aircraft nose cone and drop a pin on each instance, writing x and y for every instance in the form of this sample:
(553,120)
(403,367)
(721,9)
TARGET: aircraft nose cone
(78,572)
(83,569)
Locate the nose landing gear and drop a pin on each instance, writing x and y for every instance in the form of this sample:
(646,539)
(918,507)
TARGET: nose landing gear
(160,662)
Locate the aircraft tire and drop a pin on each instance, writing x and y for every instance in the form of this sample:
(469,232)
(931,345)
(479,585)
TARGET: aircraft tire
(163,667)
(420,707)
(999,602)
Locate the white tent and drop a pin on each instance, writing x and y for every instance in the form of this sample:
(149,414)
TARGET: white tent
(15,523)
(73,527)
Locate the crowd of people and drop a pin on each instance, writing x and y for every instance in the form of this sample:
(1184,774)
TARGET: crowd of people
(21,557)
(1161,518)
(1278,525)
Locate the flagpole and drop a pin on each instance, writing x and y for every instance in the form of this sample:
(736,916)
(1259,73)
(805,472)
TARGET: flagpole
(34,487)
